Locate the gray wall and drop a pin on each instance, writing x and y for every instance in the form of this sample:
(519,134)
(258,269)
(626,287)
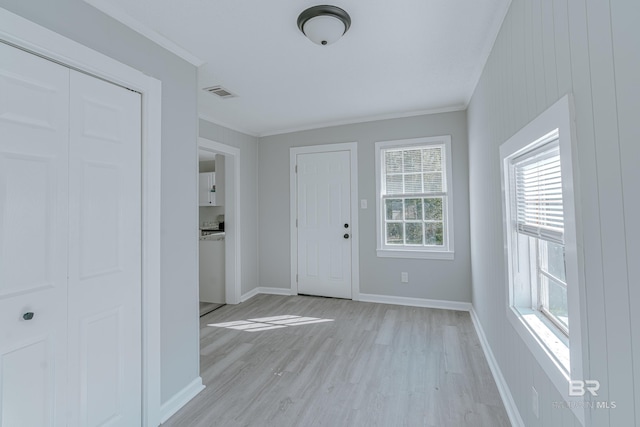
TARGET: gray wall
(433,279)
(248,146)
(179,279)
(207,166)
(544,50)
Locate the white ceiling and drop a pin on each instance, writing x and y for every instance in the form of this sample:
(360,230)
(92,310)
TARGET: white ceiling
(399,58)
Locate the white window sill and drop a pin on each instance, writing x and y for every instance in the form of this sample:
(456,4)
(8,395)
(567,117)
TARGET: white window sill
(418,254)
(549,347)
(548,336)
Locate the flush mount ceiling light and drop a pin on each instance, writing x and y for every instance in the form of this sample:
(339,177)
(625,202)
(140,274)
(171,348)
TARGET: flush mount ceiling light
(324,24)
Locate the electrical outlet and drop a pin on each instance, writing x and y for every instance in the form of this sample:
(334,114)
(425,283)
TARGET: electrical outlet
(404,277)
(534,402)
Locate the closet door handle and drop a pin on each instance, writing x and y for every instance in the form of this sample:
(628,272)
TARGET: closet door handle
(28,315)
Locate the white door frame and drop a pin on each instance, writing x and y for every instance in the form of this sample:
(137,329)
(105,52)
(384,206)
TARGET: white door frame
(26,35)
(352,147)
(232,272)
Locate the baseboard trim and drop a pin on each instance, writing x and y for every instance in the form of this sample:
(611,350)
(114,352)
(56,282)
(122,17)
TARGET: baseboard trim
(265,290)
(252,293)
(180,399)
(416,302)
(503,388)
(275,291)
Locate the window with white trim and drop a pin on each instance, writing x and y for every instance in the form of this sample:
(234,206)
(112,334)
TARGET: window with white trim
(538,228)
(542,244)
(414,198)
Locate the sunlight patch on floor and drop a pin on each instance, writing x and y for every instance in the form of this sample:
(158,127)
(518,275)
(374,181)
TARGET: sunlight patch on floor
(267,323)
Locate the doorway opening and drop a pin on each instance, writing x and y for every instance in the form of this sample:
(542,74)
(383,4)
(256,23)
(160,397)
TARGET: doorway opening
(218,224)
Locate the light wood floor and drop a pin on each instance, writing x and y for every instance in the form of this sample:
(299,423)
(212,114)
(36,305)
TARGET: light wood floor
(373,365)
(208,307)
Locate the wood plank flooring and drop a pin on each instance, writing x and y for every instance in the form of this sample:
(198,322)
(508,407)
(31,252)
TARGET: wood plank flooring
(208,307)
(372,365)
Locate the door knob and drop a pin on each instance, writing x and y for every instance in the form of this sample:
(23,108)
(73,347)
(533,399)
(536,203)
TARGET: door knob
(346,235)
(28,315)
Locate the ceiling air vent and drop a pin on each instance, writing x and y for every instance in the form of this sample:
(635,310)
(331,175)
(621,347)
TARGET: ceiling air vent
(220,91)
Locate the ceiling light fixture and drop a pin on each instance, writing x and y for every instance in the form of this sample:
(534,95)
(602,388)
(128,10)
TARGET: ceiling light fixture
(324,24)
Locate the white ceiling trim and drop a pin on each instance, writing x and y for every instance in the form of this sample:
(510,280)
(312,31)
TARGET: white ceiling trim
(366,119)
(124,18)
(208,118)
(488,47)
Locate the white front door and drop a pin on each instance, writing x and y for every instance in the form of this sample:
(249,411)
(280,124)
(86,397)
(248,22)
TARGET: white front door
(324,223)
(70,255)
(105,355)
(34,204)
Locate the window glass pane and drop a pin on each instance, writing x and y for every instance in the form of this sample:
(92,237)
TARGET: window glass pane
(433,208)
(433,234)
(413,214)
(394,184)
(413,210)
(433,182)
(414,233)
(394,209)
(553,262)
(413,161)
(556,301)
(393,161)
(395,234)
(413,183)
(432,159)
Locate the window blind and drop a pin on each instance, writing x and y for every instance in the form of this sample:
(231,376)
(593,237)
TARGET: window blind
(414,170)
(538,193)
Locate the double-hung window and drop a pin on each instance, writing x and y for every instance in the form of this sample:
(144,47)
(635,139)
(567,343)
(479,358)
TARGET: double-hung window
(541,244)
(538,221)
(414,198)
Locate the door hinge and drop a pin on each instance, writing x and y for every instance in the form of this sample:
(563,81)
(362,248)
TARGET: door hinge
(296,277)
(296,222)
(296,168)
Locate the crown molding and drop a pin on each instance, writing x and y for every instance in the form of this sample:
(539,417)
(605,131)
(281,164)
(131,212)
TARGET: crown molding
(124,18)
(365,119)
(488,48)
(322,125)
(210,119)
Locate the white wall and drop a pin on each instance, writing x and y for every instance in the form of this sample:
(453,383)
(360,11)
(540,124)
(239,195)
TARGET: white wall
(211,213)
(248,146)
(544,50)
(441,280)
(179,280)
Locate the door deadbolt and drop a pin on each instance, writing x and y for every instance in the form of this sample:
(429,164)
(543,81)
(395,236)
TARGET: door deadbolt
(346,226)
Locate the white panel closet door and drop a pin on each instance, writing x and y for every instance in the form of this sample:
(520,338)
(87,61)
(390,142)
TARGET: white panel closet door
(324,224)
(104,384)
(33,239)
